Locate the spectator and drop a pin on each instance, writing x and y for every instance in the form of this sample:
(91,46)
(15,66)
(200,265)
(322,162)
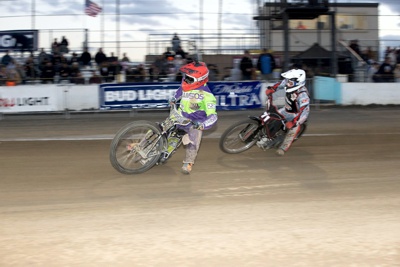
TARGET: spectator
(73,59)
(105,72)
(14,73)
(160,70)
(42,55)
(64,72)
(372,69)
(75,74)
(176,42)
(356,48)
(100,57)
(125,58)
(64,46)
(180,52)
(266,64)
(387,51)
(246,66)
(398,56)
(63,59)
(79,79)
(178,62)
(140,73)
(130,74)
(95,78)
(169,56)
(397,73)
(3,75)
(30,68)
(213,73)
(6,59)
(55,47)
(85,58)
(136,74)
(152,73)
(393,57)
(301,26)
(235,73)
(113,66)
(56,60)
(367,55)
(385,72)
(48,73)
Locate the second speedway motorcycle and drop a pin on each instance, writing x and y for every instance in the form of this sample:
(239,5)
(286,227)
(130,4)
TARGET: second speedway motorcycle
(244,134)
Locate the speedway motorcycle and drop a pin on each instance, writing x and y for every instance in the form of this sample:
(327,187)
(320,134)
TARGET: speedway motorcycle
(140,145)
(244,134)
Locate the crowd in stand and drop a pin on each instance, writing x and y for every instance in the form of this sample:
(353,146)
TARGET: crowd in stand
(62,66)
(387,71)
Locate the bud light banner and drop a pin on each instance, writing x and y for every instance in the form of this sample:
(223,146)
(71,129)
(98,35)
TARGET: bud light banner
(136,95)
(19,40)
(229,95)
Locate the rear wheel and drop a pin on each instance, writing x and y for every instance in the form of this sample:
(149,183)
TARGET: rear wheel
(240,136)
(136,147)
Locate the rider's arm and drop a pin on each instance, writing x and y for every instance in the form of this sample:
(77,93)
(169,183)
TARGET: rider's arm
(272,89)
(210,108)
(304,105)
(178,93)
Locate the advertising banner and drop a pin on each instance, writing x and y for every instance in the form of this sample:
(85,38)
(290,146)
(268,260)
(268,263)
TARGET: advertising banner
(229,95)
(237,95)
(19,40)
(27,99)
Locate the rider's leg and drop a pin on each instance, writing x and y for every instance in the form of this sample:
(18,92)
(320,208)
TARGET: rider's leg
(289,138)
(191,149)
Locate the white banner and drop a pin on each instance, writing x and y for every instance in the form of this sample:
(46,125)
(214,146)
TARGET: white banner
(28,98)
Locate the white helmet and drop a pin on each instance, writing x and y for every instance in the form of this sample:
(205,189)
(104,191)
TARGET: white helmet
(294,79)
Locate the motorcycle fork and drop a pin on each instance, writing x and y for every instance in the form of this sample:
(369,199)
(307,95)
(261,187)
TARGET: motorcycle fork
(249,132)
(174,140)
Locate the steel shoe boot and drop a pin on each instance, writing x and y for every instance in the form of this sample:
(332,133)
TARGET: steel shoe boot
(280,152)
(187,168)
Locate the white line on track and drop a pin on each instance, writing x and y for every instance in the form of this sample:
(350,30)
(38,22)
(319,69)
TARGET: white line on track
(109,137)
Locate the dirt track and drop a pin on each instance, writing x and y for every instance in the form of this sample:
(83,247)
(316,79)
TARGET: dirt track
(333,200)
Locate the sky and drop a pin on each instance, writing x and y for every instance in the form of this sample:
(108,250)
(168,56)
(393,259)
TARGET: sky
(141,20)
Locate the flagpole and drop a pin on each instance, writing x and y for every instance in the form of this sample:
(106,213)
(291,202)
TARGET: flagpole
(117,30)
(102,26)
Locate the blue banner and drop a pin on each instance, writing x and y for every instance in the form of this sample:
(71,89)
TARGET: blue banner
(236,95)
(229,95)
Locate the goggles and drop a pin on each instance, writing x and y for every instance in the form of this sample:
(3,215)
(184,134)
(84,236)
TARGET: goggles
(189,79)
(291,83)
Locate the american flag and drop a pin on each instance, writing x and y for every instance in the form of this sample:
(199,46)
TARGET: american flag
(91,8)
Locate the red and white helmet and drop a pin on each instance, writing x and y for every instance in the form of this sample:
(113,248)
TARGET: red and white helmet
(195,74)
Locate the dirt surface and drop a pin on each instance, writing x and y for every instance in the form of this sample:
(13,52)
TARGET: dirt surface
(333,200)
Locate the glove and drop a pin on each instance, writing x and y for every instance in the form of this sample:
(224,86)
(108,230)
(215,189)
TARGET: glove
(265,117)
(290,124)
(198,125)
(172,101)
(269,91)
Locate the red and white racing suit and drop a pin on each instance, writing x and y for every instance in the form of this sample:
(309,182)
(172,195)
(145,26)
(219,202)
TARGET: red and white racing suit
(296,110)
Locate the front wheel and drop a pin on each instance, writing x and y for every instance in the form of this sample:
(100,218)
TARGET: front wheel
(240,136)
(136,147)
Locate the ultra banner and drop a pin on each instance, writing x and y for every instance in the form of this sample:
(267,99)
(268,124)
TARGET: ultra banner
(229,95)
(19,40)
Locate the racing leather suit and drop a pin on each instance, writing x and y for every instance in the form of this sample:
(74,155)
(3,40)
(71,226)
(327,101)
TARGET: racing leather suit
(198,105)
(296,110)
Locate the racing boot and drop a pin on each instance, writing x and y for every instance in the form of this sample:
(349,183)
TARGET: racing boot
(187,168)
